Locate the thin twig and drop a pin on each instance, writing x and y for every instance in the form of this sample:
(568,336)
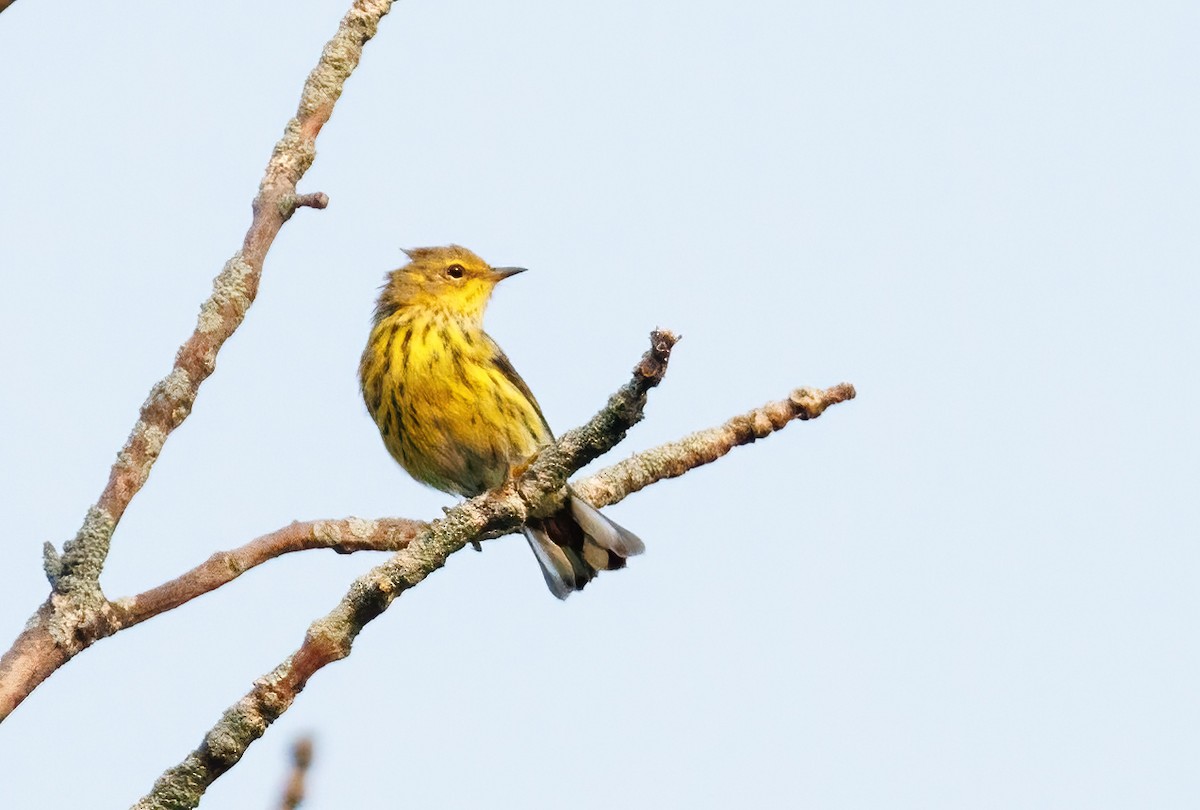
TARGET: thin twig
(293,794)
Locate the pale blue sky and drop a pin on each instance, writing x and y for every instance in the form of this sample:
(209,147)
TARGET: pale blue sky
(975,586)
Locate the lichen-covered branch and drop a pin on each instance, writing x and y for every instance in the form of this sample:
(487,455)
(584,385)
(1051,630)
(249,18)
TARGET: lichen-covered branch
(234,290)
(492,514)
(76,614)
(672,460)
(329,639)
(348,535)
(608,486)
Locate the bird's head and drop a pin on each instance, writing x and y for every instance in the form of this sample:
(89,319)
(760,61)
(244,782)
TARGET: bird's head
(451,279)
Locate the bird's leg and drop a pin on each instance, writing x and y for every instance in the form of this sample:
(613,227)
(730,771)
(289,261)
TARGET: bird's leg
(515,471)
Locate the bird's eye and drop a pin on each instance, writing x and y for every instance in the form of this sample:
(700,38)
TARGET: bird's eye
(455,271)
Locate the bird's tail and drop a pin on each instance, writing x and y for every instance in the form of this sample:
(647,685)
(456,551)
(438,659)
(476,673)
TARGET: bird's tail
(576,544)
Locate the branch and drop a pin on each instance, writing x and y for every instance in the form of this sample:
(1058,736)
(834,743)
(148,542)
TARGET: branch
(330,639)
(234,290)
(76,613)
(609,486)
(343,536)
(672,460)
(32,658)
(319,200)
(492,514)
(302,753)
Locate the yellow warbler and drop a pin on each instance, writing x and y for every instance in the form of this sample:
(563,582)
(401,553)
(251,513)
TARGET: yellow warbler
(456,415)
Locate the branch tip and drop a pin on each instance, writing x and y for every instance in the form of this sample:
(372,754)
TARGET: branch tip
(293,794)
(302,752)
(653,365)
(317,199)
(812,402)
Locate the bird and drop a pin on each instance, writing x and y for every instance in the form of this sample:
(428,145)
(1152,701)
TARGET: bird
(457,416)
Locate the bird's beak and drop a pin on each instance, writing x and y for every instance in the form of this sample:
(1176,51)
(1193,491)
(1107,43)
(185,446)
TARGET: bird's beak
(501,273)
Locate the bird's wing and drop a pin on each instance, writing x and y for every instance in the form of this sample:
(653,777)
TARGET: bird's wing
(500,360)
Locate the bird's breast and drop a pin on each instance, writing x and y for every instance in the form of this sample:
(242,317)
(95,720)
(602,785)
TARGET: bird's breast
(445,410)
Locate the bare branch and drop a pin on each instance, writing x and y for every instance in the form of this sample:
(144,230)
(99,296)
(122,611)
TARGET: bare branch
(32,658)
(77,613)
(329,639)
(343,536)
(293,794)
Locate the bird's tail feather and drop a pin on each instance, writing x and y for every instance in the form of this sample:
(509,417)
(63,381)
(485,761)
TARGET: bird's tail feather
(576,544)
